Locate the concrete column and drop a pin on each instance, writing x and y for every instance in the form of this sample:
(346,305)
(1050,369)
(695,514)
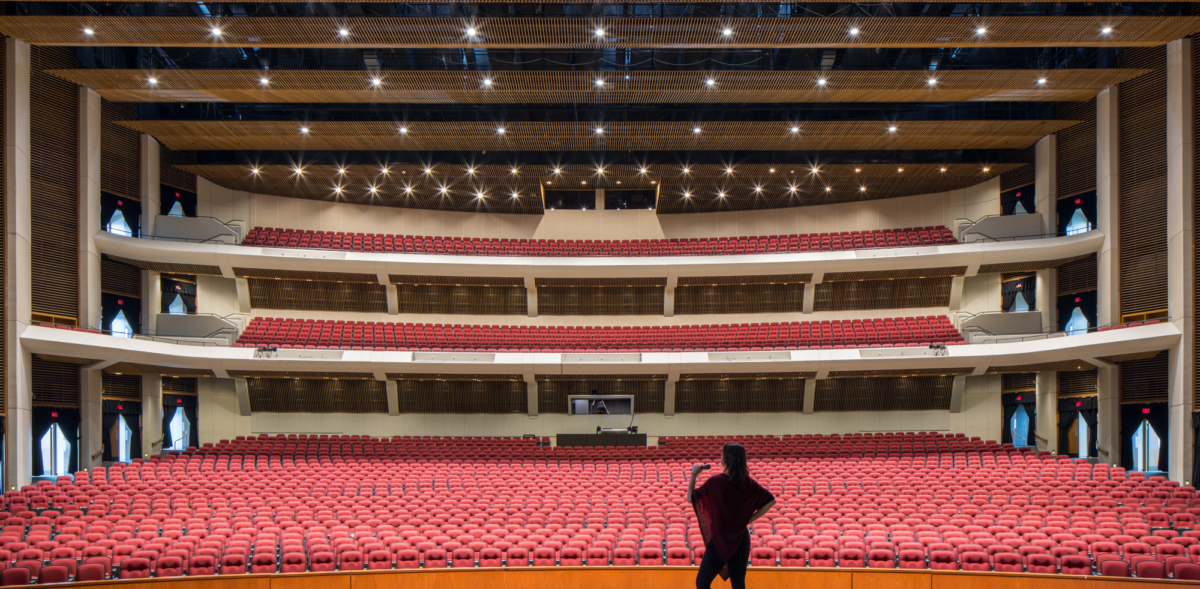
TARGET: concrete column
(152,415)
(151,183)
(957,390)
(393,397)
(1108,297)
(1108,426)
(91,417)
(599,199)
(810,295)
(243,294)
(1047,298)
(151,300)
(89,208)
(669,400)
(956,292)
(810,395)
(241,388)
(1046,181)
(531,300)
(17,266)
(669,296)
(1047,411)
(393,299)
(531,392)
(1181,292)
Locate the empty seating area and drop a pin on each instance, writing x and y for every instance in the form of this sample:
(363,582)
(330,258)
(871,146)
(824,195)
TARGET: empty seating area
(323,503)
(425,337)
(713,246)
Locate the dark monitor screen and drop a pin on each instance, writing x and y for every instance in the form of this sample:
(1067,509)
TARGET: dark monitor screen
(601,405)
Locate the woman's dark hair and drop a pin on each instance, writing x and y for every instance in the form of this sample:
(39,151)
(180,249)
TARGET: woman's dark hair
(734,456)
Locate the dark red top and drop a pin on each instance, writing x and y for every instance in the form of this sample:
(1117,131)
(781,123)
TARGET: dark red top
(724,511)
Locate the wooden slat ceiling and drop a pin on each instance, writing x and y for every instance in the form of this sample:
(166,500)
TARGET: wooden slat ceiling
(189,269)
(583,136)
(575,87)
(1061,366)
(598,33)
(408,186)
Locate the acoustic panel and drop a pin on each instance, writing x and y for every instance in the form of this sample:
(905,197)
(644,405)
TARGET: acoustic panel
(54,384)
(920,393)
(462,300)
(758,395)
(902,293)
(1077,148)
(1145,380)
(120,152)
(740,298)
(126,387)
(301,295)
(600,300)
(306,395)
(462,396)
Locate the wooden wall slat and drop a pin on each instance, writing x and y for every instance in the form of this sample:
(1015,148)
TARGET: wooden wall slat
(1078,384)
(1143,183)
(120,152)
(760,395)
(1145,380)
(462,300)
(1022,176)
(1018,382)
(602,300)
(121,386)
(121,279)
(1077,149)
(187,385)
(740,298)
(1077,276)
(54,184)
(171,174)
(462,396)
(901,293)
(55,384)
(308,395)
(914,393)
(317,295)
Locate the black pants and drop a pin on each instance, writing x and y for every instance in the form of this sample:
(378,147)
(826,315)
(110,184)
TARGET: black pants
(712,564)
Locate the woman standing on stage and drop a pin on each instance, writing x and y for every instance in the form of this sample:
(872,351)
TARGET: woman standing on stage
(726,505)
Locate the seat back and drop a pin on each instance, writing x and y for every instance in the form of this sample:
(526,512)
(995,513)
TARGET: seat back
(1114,568)
(408,559)
(54,574)
(1075,564)
(233,564)
(762,557)
(1007,562)
(202,565)
(943,560)
(265,563)
(135,568)
(90,572)
(1187,571)
(1041,563)
(169,566)
(570,557)
(16,576)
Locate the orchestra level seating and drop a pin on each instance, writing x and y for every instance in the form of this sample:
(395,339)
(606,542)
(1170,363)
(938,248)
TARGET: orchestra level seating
(321,503)
(713,246)
(839,334)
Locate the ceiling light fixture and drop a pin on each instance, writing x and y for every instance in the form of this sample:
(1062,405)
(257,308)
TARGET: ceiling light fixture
(821,82)
(216,32)
(891,129)
(344,33)
(403,130)
(599,32)
(795,130)
(1106,30)
(827,189)
(304,130)
(980,31)
(599,83)
(932,82)
(487,82)
(376,81)
(500,130)
(341,171)
(1041,80)
(89,31)
(854,31)
(254,170)
(152,81)
(727,32)
(599,131)
(264,81)
(471,32)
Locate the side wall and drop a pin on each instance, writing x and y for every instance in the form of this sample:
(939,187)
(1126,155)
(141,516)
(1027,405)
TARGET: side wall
(980,416)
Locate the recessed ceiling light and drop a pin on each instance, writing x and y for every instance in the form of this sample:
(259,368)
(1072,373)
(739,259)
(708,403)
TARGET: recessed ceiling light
(428,171)
(152,81)
(599,32)
(479,195)
(814,170)
(687,194)
(599,131)
(216,32)
(487,82)
(891,129)
(600,170)
(557,170)
(471,171)
(943,169)
(514,170)
(253,170)
(1106,30)
(385,170)
(772,170)
(89,31)
(821,82)
(407,189)
(758,189)
(298,170)
(341,170)
(443,190)
(710,82)
(827,189)
(583,181)
(264,81)
(403,130)
(792,188)
(854,31)
(728,170)
(304,130)
(471,32)
(687,170)
(721,194)
(516,194)
(862,188)
(932,82)
(372,189)
(795,129)
(643,171)
(980,31)
(987,169)
(376,81)
(500,130)
(857,170)
(727,32)
(344,33)
(900,169)
(337,189)
(599,83)
(1041,80)
(696,130)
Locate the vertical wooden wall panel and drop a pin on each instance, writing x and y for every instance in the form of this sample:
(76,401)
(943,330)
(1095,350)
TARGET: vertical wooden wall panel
(54,171)
(1143,183)
(1143,381)
(1022,176)
(120,151)
(1077,148)
(1077,276)
(120,279)
(172,176)
(54,384)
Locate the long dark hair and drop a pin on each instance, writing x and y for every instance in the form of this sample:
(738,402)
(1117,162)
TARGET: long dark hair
(734,456)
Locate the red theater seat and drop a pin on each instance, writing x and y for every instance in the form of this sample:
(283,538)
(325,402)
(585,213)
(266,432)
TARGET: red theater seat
(135,568)
(91,572)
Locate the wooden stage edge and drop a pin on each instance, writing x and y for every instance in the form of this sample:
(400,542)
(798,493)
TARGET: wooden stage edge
(635,578)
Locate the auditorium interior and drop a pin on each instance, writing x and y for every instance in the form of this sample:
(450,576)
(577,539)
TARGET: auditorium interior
(368,295)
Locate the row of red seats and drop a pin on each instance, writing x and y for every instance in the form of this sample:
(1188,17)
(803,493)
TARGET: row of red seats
(713,246)
(856,333)
(292,503)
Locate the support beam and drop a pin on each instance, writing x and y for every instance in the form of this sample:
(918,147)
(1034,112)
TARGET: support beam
(91,417)
(531,392)
(810,295)
(393,397)
(1045,181)
(243,295)
(810,395)
(957,390)
(152,414)
(669,296)
(89,208)
(531,299)
(1047,412)
(1181,254)
(150,178)
(669,400)
(393,299)
(241,388)
(17,267)
(1108,295)
(956,292)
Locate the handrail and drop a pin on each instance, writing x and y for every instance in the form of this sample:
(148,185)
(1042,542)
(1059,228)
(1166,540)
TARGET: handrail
(1047,334)
(179,339)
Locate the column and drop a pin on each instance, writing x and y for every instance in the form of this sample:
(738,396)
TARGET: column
(531,395)
(393,397)
(91,417)
(957,390)
(1045,181)
(599,199)
(17,266)
(152,415)
(241,389)
(1108,303)
(669,296)
(669,398)
(1047,298)
(531,298)
(151,183)
(810,395)
(151,300)
(89,207)
(1047,411)
(1181,193)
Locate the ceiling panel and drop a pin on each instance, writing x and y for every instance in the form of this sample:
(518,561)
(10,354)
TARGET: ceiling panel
(598,33)
(583,87)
